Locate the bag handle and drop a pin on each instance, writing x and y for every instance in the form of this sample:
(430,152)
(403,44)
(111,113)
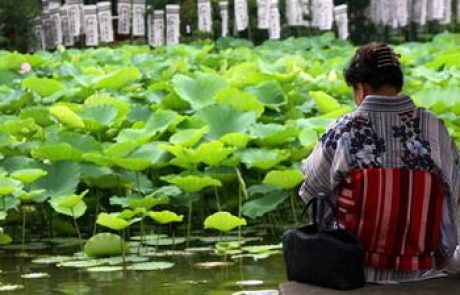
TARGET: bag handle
(317,203)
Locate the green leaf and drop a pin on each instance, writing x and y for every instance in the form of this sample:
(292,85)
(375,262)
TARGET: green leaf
(9,186)
(72,200)
(308,138)
(42,86)
(76,211)
(112,221)
(188,137)
(263,158)
(56,152)
(118,79)
(324,102)
(212,153)
(165,216)
(273,134)
(199,91)
(269,94)
(223,119)
(62,179)
(105,244)
(271,198)
(133,164)
(191,183)
(148,202)
(5,239)
(102,99)
(149,266)
(67,117)
(240,100)
(286,179)
(239,140)
(223,221)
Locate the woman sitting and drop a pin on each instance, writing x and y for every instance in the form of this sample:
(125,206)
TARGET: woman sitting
(392,170)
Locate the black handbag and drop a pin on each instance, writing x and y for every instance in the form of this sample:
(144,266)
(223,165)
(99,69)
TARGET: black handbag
(321,255)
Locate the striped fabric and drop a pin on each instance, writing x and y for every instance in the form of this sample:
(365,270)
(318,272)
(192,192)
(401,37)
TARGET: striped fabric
(395,213)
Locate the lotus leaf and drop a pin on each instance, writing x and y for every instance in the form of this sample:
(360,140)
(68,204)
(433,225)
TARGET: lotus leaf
(212,153)
(147,266)
(269,93)
(258,207)
(188,137)
(36,275)
(240,100)
(273,134)
(5,239)
(286,179)
(105,244)
(105,268)
(112,221)
(28,175)
(224,119)
(57,152)
(119,79)
(239,140)
(148,202)
(198,92)
(42,86)
(166,241)
(263,158)
(324,102)
(223,221)
(165,216)
(101,99)
(8,186)
(67,117)
(191,183)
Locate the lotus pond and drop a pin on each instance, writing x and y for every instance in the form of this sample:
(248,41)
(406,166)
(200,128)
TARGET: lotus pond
(136,165)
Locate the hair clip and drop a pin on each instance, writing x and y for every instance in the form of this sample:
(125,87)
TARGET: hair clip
(385,57)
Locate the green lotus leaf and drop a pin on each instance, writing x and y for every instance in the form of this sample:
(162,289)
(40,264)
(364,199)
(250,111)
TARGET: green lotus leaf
(273,134)
(78,141)
(80,264)
(191,183)
(198,92)
(166,241)
(223,221)
(98,159)
(42,86)
(148,202)
(188,137)
(147,266)
(99,176)
(67,117)
(165,216)
(23,128)
(112,221)
(9,186)
(35,195)
(269,93)
(5,239)
(239,140)
(133,164)
(101,99)
(76,211)
(121,149)
(224,119)
(105,244)
(71,200)
(152,153)
(105,268)
(286,179)
(62,179)
(41,115)
(263,158)
(324,102)
(158,123)
(99,117)
(222,173)
(212,153)
(57,152)
(245,74)
(184,157)
(308,138)
(128,214)
(240,100)
(271,198)
(118,79)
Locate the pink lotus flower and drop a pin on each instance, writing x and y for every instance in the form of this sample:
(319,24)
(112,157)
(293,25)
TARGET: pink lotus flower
(25,68)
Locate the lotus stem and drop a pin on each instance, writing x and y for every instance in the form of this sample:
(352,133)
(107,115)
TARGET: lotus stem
(216,194)
(23,235)
(293,208)
(189,218)
(75,223)
(123,250)
(96,213)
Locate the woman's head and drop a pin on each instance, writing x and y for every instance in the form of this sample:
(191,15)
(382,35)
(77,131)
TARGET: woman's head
(374,69)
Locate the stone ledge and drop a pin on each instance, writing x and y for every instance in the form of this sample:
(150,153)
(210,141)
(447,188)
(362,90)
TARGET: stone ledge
(447,285)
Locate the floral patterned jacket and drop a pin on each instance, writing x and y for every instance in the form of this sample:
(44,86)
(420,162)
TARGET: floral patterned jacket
(387,132)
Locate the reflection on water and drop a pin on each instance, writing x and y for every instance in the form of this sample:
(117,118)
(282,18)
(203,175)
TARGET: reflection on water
(183,278)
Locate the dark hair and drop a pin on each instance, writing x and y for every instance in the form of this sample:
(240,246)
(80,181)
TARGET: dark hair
(375,64)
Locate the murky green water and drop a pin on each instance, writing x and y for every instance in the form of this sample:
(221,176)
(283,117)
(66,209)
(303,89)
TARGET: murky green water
(183,278)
